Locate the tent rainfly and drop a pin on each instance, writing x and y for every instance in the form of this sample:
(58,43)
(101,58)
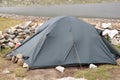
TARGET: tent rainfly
(66,41)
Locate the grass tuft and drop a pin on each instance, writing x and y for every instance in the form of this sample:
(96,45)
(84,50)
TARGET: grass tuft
(20,72)
(101,73)
(4,51)
(8,22)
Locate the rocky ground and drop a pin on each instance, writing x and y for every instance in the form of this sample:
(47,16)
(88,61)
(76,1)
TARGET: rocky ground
(11,71)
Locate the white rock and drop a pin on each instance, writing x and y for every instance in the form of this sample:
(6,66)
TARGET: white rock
(92,66)
(60,68)
(10,44)
(19,56)
(25,65)
(115,41)
(106,25)
(6,71)
(110,33)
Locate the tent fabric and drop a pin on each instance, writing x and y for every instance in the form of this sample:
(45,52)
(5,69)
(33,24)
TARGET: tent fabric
(66,40)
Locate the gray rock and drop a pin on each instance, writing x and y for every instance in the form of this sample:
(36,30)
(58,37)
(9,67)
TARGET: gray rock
(11,36)
(26,24)
(9,31)
(116,40)
(27,37)
(34,26)
(14,59)
(8,57)
(27,31)
(10,40)
(20,62)
(16,40)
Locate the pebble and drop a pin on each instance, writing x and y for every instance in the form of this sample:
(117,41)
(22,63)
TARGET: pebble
(6,71)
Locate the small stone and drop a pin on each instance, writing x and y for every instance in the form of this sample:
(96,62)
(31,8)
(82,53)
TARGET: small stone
(26,24)
(92,66)
(6,71)
(19,56)
(16,40)
(9,31)
(10,44)
(12,36)
(13,59)
(20,62)
(60,68)
(25,65)
(8,57)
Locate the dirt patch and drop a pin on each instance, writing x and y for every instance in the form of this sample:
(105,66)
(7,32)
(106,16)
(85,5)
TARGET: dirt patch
(115,73)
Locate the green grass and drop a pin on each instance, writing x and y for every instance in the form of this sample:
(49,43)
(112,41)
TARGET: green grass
(50,2)
(4,51)
(101,73)
(8,22)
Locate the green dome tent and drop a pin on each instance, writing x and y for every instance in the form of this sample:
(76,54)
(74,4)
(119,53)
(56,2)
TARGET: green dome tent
(66,41)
